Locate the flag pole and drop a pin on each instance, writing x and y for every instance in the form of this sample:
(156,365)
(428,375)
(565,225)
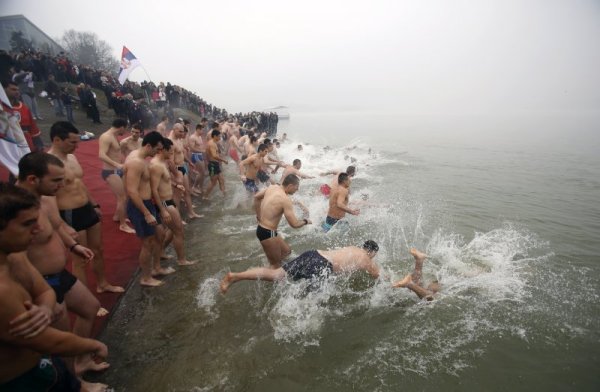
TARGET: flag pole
(147,74)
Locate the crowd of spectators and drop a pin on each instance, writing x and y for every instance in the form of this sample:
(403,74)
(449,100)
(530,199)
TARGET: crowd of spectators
(141,103)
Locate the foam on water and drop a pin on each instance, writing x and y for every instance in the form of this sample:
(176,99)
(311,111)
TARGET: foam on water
(206,298)
(487,280)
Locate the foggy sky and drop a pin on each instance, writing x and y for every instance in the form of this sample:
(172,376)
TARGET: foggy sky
(413,57)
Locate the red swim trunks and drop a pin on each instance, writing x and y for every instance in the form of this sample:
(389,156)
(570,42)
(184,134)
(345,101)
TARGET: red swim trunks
(234,155)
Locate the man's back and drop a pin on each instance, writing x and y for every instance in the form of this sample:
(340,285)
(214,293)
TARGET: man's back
(350,259)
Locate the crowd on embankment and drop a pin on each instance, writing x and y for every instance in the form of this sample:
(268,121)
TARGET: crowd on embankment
(68,84)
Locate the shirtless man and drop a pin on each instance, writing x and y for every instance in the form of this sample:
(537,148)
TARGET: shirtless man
(142,211)
(29,347)
(271,204)
(413,281)
(314,264)
(131,142)
(77,206)
(43,174)
(250,166)
(263,174)
(338,203)
(109,152)
(234,148)
(177,136)
(160,181)
(327,189)
(161,127)
(250,146)
(294,168)
(197,152)
(214,164)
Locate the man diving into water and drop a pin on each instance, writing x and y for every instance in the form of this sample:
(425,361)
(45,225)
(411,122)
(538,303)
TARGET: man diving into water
(413,281)
(314,263)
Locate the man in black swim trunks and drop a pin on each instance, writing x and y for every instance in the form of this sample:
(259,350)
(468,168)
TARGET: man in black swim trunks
(43,174)
(77,207)
(314,264)
(271,204)
(28,344)
(161,184)
(214,164)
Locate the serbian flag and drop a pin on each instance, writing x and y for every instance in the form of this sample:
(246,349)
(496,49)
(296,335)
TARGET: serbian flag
(13,144)
(128,63)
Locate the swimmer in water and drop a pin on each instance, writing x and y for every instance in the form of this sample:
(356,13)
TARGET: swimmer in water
(413,281)
(313,264)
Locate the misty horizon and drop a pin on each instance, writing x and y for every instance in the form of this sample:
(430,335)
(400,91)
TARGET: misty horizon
(435,58)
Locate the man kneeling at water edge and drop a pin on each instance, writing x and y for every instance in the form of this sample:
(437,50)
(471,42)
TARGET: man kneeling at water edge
(314,263)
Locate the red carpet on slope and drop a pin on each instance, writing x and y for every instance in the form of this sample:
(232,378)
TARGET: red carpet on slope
(120,249)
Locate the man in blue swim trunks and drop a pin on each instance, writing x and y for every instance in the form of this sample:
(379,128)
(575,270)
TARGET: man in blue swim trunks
(197,151)
(249,168)
(142,211)
(338,203)
(314,264)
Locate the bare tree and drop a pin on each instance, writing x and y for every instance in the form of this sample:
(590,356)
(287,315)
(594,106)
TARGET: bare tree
(86,48)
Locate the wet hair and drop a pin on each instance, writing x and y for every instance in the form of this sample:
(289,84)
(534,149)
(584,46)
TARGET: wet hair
(290,179)
(36,163)
(119,123)
(253,139)
(370,246)
(62,129)
(351,170)
(215,132)
(262,147)
(167,143)
(215,125)
(342,177)
(14,199)
(267,141)
(296,161)
(199,126)
(138,126)
(152,138)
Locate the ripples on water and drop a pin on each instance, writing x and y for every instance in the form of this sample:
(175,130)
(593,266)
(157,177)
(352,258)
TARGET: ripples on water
(496,284)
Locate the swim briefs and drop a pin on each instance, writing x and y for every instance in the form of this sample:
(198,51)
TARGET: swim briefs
(182,169)
(108,172)
(264,234)
(251,185)
(169,202)
(262,176)
(329,222)
(61,283)
(81,218)
(234,155)
(308,265)
(214,168)
(142,228)
(49,374)
(197,157)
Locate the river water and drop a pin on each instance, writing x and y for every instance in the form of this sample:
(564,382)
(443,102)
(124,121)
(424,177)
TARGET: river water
(508,210)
